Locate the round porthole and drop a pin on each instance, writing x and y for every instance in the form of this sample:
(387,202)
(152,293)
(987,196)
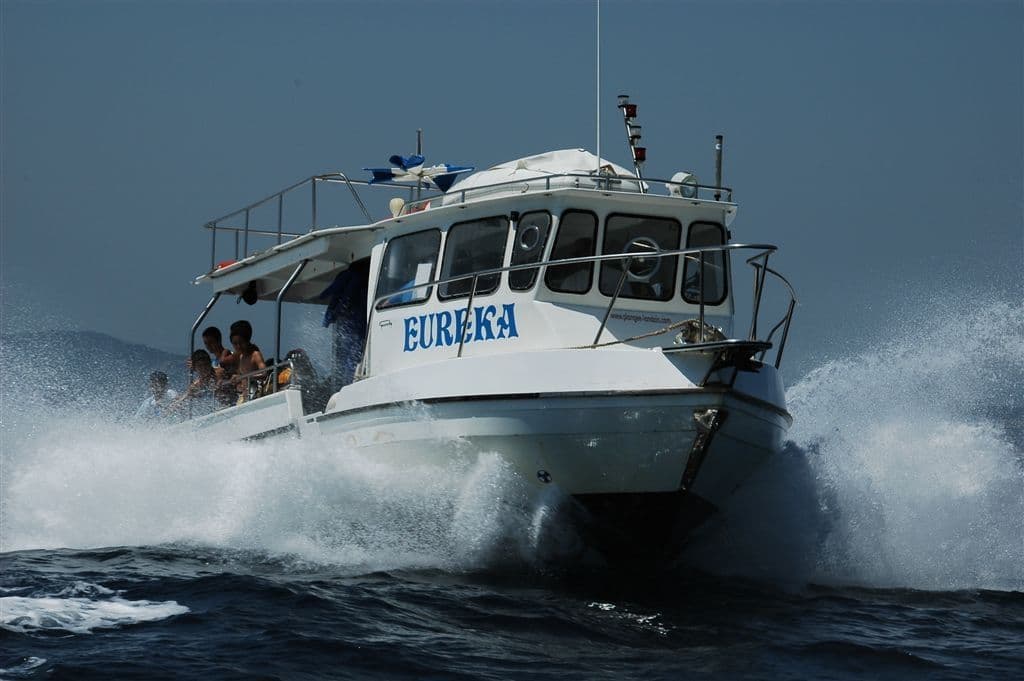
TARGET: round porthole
(529,238)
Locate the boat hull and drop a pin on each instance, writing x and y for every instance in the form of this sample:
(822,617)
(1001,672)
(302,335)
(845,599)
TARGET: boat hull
(622,456)
(646,466)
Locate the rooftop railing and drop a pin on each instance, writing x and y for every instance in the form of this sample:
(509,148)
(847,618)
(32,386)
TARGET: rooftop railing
(239,227)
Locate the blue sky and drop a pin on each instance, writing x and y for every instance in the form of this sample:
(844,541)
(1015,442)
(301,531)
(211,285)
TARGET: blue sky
(879,144)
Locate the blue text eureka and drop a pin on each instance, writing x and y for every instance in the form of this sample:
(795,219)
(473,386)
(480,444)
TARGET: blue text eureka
(441,329)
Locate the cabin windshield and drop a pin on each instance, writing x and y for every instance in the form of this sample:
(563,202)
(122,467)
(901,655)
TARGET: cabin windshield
(647,278)
(715,265)
(577,233)
(409,259)
(470,247)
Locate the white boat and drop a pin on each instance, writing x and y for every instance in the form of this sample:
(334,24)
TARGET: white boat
(561,311)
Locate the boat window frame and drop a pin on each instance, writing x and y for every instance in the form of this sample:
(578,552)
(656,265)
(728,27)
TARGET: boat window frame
(383,304)
(558,233)
(674,259)
(541,249)
(469,282)
(725,264)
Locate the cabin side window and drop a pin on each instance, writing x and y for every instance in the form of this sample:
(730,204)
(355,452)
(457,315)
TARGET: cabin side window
(646,278)
(715,265)
(471,247)
(409,260)
(575,238)
(528,246)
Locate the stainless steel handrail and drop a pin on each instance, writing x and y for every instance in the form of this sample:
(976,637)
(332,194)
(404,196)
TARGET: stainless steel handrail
(293,382)
(760,272)
(786,319)
(279,196)
(273,370)
(602,183)
(280,298)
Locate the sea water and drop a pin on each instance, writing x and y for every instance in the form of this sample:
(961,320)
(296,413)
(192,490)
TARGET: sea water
(885,541)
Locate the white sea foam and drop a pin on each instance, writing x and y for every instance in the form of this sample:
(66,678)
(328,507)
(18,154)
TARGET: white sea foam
(903,471)
(75,613)
(903,468)
(76,486)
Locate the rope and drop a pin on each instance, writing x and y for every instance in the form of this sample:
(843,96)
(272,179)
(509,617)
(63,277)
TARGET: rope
(665,329)
(709,330)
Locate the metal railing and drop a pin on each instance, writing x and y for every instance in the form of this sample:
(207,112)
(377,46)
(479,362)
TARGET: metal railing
(603,183)
(242,232)
(687,191)
(263,382)
(258,383)
(759,262)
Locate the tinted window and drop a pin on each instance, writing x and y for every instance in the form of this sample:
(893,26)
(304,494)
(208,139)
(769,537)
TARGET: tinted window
(472,247)
(715,264)
(576,236)
(408,260)
(649,278)
(528,246)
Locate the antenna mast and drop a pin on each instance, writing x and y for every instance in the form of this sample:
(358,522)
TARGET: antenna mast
(633,136)
(598,107)
(419,152)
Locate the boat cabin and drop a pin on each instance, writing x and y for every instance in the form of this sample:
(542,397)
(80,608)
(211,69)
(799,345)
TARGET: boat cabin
(557,250)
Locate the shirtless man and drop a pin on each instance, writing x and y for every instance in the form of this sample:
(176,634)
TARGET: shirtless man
(221,357)
(249,356)
(225,365)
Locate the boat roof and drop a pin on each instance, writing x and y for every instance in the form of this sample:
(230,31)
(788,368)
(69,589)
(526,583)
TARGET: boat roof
(329,251)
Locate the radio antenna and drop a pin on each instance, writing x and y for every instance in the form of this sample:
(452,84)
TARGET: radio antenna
(419,152)
(598,107)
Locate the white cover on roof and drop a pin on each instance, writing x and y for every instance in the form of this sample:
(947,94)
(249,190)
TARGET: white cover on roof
(532,172)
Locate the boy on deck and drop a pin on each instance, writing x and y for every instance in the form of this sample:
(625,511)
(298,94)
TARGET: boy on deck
(249,356)
(225,365)
(221,357)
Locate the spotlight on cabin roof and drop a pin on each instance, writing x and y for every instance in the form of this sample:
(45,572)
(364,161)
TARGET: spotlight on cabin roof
(396,205)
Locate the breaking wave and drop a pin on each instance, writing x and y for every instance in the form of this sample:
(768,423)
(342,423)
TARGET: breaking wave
(905,466)
(316,502)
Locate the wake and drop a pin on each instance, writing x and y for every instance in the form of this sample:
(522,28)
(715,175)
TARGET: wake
(905,469)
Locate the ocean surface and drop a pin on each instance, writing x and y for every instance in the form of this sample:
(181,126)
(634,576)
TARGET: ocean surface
(886,541)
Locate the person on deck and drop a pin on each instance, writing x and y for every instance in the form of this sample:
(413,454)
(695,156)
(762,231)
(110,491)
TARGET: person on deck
(225,365)
(157,404)
(221,357)
(199,397)
(250,358)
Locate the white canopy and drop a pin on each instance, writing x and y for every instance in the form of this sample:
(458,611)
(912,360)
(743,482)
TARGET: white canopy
(536,173)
